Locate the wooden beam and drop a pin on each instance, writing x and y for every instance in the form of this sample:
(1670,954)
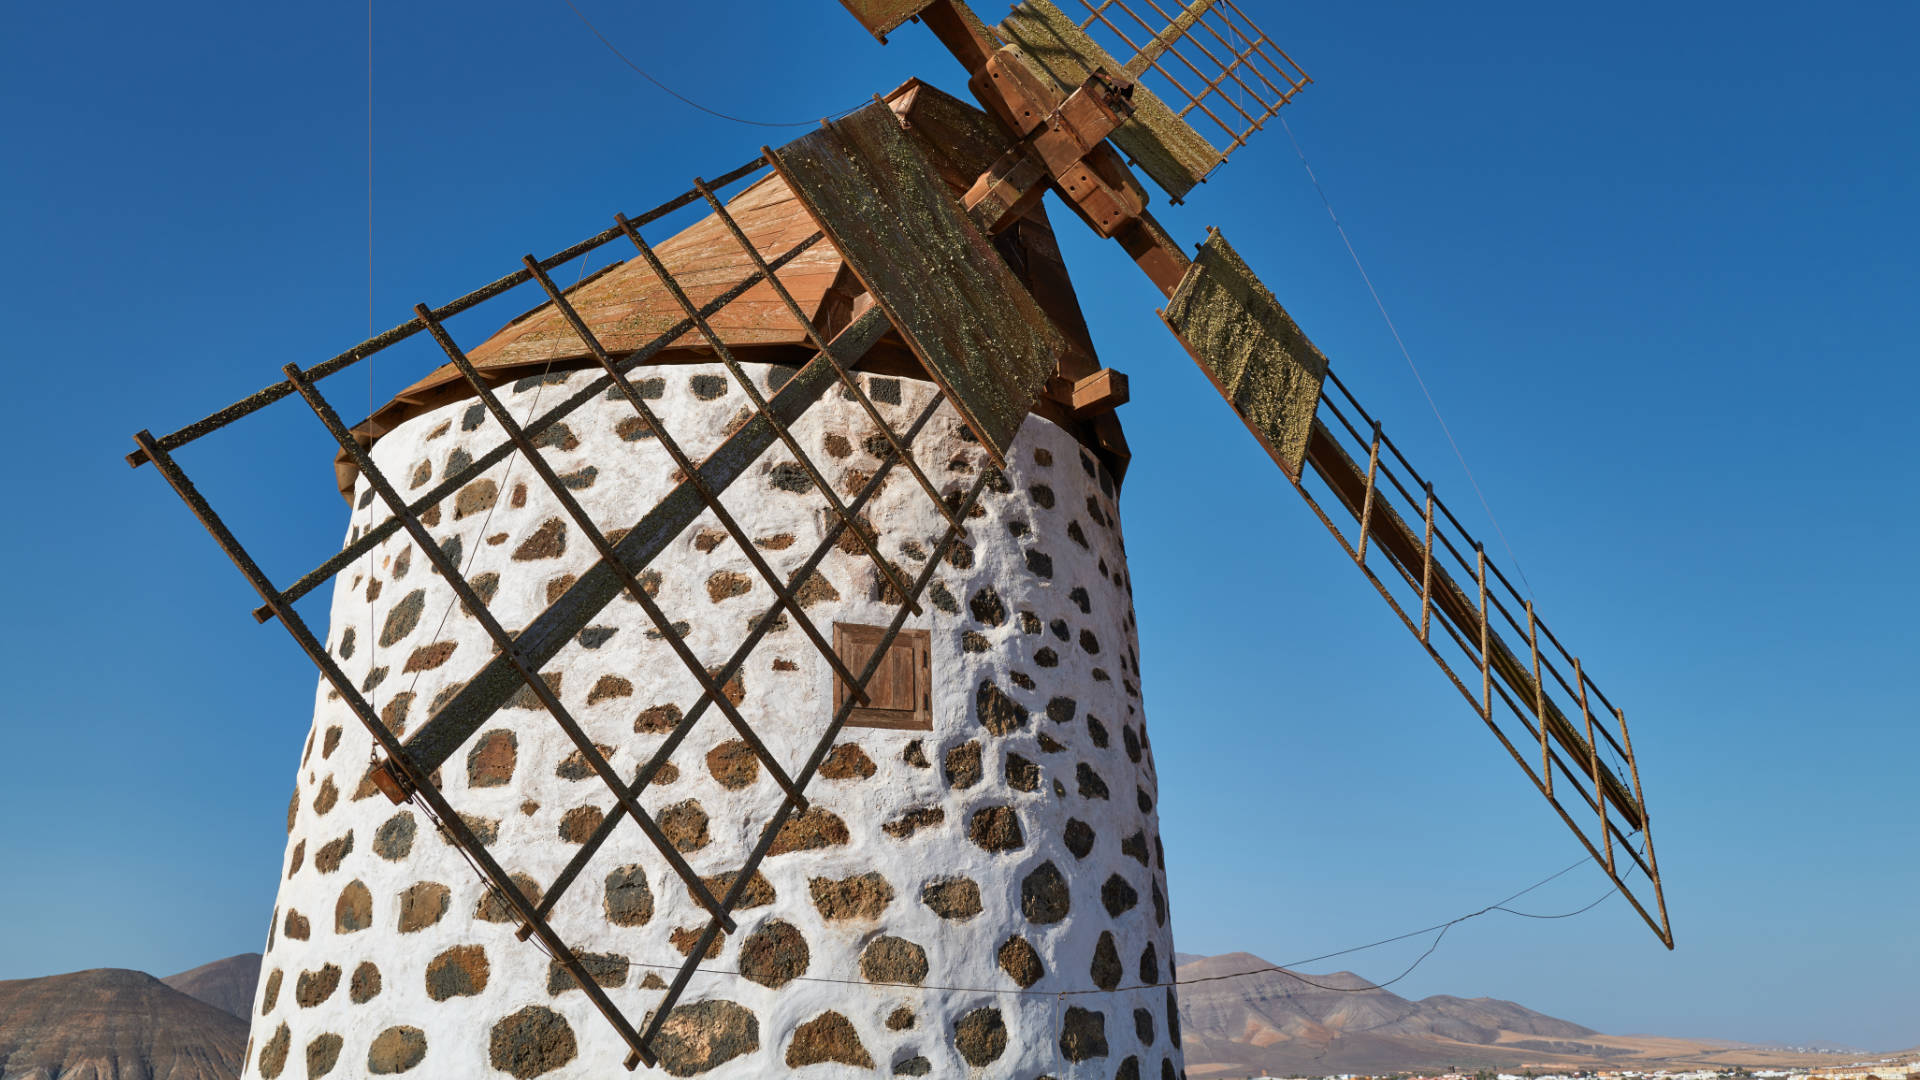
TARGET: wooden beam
(1101,392)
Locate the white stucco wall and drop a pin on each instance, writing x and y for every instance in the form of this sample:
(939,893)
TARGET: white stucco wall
(1061,634)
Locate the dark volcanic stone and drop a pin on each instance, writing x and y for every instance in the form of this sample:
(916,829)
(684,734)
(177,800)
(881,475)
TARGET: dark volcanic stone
(888,959)
(952,898)
(490,763)
(963,765)
(1083,1034)
(403,617)
(1021,962)
(996,828)
(629,901)
(774,955)
(987,607)
(323,1053)
(354,910)
(394,839)
(999,713)
(458,972)
(329,857)
(549,541)
(981,1036)
(847,762)
(1091,786)
(1106,968)
(815,827)
(705,1035)
(365,985)
(1149,965)
(904,826)
(829,1037)
(1097,731)
(685,825)
(421,905)
(1143,1026)
(1022,775)
(605,969)
(273,1052)
(396,1050)
(1043,895)
(533,1041)
(315,987)
(1079,837)
(863,896)
(1118,896)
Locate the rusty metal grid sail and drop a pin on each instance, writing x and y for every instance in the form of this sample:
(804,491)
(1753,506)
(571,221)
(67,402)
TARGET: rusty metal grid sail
(407,771)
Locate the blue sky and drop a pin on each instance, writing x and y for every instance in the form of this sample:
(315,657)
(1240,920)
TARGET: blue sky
(1655,261)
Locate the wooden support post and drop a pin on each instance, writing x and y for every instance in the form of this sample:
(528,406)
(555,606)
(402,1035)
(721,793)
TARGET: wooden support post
(1426,571)
(1593,763)
(1486,661)
(1366,503)
(1101,392)
(1539,702)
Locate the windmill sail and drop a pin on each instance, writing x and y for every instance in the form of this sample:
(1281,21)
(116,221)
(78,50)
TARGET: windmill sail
(1226,75)
(1534,695)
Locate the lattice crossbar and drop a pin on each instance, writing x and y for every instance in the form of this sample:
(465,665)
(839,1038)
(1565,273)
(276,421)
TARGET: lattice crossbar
(406,772)
(1220,72)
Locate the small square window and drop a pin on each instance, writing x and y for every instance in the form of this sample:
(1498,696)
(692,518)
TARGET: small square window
(900,692)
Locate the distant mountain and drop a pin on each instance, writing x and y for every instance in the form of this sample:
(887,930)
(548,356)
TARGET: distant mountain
(113,1024)
(227,985)
(1314,1025)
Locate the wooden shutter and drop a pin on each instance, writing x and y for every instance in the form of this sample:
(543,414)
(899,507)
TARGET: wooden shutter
(900,692)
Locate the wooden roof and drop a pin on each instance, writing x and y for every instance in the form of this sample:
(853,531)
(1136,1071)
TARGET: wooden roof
(626,306)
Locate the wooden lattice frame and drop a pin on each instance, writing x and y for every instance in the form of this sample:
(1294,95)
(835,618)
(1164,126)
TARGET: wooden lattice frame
(406,770)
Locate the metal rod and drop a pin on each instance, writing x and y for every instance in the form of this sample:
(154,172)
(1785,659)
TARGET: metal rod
(502,640)
(600,544)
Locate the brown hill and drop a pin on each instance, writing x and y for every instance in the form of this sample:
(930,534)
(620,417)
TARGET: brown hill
(226,985)
(112,1024)
(1279,1023)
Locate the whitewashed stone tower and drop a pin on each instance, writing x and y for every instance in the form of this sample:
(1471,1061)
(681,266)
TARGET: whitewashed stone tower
(978,888)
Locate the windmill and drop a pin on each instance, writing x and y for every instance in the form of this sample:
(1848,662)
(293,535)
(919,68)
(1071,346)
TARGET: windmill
(738,645)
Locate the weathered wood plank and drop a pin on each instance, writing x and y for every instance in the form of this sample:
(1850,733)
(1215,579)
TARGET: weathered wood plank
(1250,348)
(975,327)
